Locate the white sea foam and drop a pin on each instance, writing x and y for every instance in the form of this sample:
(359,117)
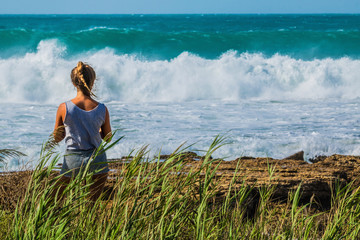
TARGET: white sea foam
(43,76)
(253,128)
(190,99)
(98,28)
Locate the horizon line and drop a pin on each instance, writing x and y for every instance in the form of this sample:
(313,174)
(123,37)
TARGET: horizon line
(315,13)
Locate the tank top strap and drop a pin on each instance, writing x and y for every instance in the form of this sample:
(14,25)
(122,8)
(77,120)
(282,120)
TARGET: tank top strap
(69,106)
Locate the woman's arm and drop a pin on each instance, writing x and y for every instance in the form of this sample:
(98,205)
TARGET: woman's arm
(105,130)
(59,130)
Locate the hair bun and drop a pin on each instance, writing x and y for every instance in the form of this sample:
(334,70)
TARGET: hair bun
(80,66)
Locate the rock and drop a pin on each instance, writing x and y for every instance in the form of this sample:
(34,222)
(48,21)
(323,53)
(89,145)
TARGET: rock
(297,156)
(317,159)
(317,179)
(287,174)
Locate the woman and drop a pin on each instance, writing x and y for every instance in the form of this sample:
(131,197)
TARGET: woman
(83,123)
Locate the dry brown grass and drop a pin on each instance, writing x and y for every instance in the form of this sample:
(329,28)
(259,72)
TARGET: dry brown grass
(13,186)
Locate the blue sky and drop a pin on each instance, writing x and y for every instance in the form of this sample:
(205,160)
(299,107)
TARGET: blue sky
(177,6)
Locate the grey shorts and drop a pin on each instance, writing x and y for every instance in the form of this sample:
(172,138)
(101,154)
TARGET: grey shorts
(76,160)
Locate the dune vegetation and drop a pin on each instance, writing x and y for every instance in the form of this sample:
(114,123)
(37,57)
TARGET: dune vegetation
(153,198)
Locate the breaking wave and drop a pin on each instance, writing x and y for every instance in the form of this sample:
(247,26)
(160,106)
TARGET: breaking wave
(44,76)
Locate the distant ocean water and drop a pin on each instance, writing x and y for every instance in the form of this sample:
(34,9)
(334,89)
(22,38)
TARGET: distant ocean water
(274,84)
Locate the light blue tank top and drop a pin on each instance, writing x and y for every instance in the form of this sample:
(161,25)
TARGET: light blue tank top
(82,127)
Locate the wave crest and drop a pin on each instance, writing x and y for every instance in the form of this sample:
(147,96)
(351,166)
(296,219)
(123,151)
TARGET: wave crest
(44,76)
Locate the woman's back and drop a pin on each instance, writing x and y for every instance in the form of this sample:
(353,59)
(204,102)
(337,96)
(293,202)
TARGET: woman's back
(82,125)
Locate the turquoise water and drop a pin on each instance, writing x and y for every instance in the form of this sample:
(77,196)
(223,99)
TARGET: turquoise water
(167,36)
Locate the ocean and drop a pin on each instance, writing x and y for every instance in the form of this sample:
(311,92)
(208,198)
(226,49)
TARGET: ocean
(272,85)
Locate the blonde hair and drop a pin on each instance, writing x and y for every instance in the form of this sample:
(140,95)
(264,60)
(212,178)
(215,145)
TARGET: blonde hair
(83,77)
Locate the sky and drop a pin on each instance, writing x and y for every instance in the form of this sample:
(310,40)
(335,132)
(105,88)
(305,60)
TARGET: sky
(176,6)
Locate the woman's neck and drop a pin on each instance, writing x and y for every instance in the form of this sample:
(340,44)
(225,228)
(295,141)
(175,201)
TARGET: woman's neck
(81,95)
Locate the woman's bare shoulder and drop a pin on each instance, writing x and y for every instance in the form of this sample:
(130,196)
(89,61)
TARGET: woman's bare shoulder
(62,109)
(62,106)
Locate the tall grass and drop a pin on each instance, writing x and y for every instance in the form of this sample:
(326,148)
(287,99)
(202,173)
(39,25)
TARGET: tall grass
(167,199)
